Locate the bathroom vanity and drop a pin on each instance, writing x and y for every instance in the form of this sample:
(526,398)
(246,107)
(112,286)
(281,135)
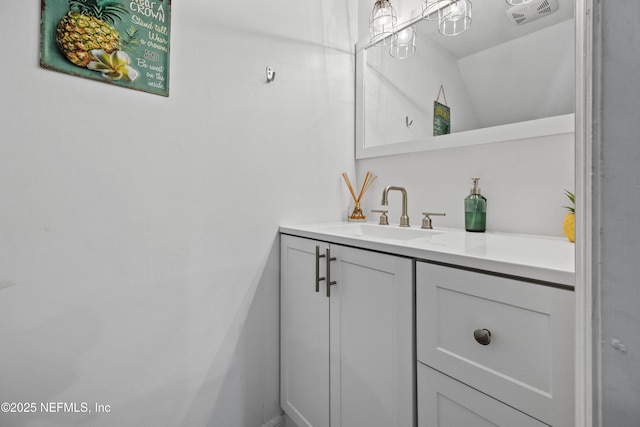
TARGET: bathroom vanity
(388,326)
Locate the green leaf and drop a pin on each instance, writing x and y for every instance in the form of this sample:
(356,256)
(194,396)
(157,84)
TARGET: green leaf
(106,10)
(572,198)
(130,40)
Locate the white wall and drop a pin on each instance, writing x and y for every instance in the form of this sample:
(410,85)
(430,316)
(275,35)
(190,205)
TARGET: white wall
(138,251)
(535,79)
(620,229)
(524,183)
(396,89)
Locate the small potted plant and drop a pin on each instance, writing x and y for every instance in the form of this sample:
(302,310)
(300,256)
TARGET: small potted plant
(569,223)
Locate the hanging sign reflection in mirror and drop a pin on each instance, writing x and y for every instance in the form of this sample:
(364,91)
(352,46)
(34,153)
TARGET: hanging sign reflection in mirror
(121,42)
(441,115)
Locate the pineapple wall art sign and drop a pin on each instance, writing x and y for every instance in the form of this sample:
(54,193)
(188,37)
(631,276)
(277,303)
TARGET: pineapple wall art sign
(121,42)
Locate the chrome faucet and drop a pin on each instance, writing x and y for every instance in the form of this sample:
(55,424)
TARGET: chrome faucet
(404,219)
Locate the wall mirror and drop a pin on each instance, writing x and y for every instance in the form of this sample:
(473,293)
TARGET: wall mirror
(503,81)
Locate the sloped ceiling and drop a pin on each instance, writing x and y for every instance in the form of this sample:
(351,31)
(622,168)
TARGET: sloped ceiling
(490,27)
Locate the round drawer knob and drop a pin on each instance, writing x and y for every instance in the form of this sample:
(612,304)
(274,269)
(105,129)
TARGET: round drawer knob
(483,336)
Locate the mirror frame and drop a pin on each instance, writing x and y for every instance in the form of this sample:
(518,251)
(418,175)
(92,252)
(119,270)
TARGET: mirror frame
(555,125)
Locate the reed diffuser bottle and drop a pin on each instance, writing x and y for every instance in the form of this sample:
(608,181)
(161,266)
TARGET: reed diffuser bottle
(357,215)
(475,210)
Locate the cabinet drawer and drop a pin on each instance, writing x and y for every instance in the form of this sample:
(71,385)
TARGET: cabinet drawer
(527,363)
(445,402)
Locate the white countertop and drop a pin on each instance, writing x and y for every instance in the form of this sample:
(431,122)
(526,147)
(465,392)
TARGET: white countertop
(548,259)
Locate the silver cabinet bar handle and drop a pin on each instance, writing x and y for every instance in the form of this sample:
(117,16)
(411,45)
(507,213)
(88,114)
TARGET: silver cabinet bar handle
(318,278)
(328,260)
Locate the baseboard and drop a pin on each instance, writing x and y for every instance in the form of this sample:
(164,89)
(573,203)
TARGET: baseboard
(275,422)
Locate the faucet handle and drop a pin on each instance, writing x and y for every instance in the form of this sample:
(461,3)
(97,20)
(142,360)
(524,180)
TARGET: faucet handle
(426,221)
(384,219)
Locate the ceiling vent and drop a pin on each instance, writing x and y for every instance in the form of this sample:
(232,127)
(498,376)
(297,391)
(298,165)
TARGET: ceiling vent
(525,13)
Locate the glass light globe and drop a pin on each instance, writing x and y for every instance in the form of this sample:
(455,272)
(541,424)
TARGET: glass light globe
(405,44)
(382,24)
(455,18)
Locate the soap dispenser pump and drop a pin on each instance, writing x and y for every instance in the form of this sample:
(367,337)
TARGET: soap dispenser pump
(475,209)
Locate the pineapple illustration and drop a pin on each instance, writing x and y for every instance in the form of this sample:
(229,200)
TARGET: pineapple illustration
(88,26)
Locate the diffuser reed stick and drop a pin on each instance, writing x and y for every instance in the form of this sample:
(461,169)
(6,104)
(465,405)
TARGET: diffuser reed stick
(346,179)
(357,214)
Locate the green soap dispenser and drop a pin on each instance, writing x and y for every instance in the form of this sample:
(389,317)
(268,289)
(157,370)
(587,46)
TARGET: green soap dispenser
(475,209)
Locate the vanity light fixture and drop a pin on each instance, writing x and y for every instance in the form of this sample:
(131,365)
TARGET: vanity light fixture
(405,44)
(382,24)
(455,18)
(517,2)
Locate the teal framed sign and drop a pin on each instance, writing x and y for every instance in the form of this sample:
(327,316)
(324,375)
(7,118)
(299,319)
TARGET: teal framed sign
(441,115)
(121,42)
(441,119)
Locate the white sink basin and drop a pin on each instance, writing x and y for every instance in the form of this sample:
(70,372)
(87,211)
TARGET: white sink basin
(392,232)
